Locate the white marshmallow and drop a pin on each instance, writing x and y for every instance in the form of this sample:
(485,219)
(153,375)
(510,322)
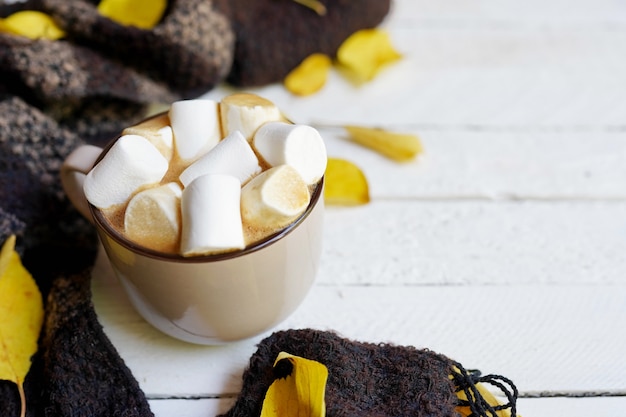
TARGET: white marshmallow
(245,112)
(274,198)
(196,127)
(158,131)
(166,145)
(233,156)
(211,215)
(152,218)
(300,146)
(132,162)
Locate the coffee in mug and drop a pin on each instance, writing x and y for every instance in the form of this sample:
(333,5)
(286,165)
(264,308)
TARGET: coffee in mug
(173,184)
(211,215)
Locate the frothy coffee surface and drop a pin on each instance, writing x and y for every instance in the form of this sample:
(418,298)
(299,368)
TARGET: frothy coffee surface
(167,216)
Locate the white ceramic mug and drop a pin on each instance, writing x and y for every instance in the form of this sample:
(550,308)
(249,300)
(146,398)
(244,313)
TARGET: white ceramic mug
(215,298)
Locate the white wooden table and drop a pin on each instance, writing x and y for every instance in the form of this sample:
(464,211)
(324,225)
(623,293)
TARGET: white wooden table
(503,246)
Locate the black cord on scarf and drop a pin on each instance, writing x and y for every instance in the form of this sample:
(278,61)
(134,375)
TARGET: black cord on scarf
(466,380)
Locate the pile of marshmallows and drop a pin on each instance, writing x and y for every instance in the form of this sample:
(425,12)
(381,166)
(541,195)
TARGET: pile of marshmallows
(208,176)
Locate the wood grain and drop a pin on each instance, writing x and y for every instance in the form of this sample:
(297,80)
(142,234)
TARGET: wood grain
(550,339)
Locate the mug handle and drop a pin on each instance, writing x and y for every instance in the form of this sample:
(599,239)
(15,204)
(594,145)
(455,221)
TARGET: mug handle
(73,171)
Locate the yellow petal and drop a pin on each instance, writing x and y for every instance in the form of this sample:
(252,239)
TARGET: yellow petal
(364,53)
(31,24)
(144,14)
(315,5)
(344,184)
(298,389)
(310,76)
(398,146)
(21,317)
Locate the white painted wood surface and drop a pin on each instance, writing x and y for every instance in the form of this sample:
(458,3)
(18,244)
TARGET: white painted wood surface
(502,246)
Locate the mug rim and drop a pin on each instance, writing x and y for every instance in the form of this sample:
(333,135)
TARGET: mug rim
(103,224)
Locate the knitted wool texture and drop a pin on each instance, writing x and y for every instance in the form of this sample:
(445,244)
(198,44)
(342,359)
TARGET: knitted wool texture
(76,372)
(189,51)
(102,75)
(364,379)
(85,374)
(52,237)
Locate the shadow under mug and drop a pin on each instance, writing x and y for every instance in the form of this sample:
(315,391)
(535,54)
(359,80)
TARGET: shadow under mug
(210,299)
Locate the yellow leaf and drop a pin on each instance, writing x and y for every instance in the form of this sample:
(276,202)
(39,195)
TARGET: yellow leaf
(399,146)
(21,317)
(364,53)
(344,184)
(315,5)
(310,76)
(298,389)
(144,14)
(31,24)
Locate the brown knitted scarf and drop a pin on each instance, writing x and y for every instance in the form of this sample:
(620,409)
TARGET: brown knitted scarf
(366,379)
(76,372)
(100,77)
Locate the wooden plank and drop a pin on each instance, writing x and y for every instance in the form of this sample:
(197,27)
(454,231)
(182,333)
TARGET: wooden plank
(495,166)
(443,90)
(527,407)
(547,339)
(439,243)
(574,11)
(511,129)
(480,77)
(572,407)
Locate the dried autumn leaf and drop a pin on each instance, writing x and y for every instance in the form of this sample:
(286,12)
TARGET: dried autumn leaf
(21,317)
(398,146)
(315,5)
(298,389)
(31,24)
(344,184)
(364,53)
(144,14)
(310,76)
